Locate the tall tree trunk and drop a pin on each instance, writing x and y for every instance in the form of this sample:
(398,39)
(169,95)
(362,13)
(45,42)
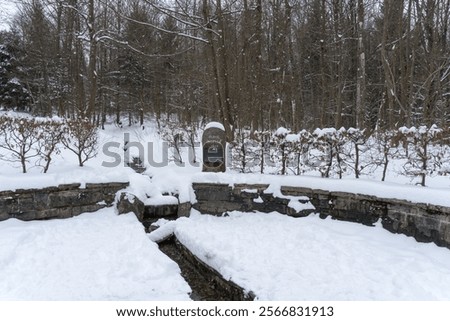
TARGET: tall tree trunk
(386,63)
(337,17)
(228,120)
(361,74)
(220,66)
(92,68)
(323,76)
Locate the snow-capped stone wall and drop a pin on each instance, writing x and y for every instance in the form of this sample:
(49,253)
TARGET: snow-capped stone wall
(61,201)
(425,222)
(219,198)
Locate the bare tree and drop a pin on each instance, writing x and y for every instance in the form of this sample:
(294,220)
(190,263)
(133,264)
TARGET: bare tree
(48,145)
(19,138)
(361,74)
(81,138)
(426,157)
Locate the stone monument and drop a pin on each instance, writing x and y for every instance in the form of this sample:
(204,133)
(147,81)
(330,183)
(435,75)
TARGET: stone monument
(214,143)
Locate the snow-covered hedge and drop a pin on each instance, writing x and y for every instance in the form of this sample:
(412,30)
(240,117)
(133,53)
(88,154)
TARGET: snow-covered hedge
(36,140)
(332,152)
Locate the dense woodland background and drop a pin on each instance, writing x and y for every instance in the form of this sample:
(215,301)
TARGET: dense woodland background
(253,64)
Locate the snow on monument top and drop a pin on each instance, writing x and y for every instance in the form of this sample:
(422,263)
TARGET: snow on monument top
(214,124)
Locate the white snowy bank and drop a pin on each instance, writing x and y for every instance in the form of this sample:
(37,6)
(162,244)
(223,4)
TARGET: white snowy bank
(96,256)
(417,194)
(284,258)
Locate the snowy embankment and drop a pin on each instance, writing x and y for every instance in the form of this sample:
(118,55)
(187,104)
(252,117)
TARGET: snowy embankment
(284,258)
(417,194)
(87,174)
(98,256)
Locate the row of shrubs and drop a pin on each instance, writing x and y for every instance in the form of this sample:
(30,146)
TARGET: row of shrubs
(334,152)
(36,140)
(425,151)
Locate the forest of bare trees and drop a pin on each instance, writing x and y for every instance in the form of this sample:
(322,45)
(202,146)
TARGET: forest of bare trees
(254,64)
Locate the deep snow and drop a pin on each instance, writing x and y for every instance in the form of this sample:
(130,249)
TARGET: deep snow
(284,258)
(95,256)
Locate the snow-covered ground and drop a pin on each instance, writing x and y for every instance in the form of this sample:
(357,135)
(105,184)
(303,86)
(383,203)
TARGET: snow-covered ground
(95,256)
(284,258)
(102,256)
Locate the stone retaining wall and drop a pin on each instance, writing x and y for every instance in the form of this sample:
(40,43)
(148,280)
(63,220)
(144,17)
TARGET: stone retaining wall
(425,222)
(61,201)
(228,288)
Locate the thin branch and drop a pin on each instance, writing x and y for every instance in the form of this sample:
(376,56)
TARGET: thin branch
(181,34)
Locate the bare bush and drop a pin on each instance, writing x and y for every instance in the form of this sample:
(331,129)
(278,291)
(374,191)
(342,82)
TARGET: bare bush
(172,133)
(362,155)
(329,143)
(191,134)
(425,155)
(299,159)
(262,139)
(245,151)
(80,137)
(282,148)
(19,137)
(386,148)
(51,136)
